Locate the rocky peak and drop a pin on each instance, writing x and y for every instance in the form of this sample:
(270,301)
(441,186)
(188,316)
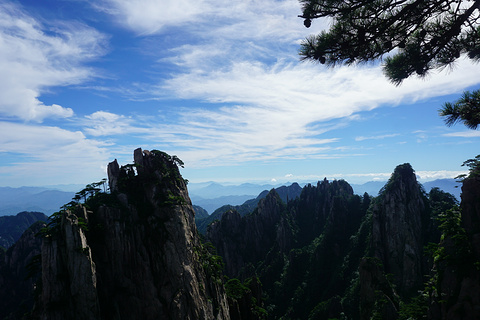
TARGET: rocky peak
(400,215)
(316,205)
(242,240)
(136,255)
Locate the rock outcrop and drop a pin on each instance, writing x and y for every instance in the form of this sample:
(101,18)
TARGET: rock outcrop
(243,240)
(400,218)
(376,291)
(299,250)
(19,272)
(457,279)
(69,279)
(12,227)
(135,255)
(318,204)
(286,194)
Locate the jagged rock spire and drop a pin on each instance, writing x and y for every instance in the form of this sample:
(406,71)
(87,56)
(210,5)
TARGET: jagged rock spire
(399,217)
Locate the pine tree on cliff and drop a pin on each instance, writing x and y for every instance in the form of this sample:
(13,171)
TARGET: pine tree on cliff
(425,35)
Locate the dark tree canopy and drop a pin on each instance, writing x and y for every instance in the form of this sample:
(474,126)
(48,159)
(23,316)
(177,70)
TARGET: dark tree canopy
(466,110)
(417,35)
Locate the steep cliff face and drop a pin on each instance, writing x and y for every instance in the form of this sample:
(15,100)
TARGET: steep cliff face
(18,274)
(471,210)
(376,293)
(400,218)
(316,205)
(243,240)
(331,252)
(300,251)
(12,227)
(136,255)
(457,272)
(68,271)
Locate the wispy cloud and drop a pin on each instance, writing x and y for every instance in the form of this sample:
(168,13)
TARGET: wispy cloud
(35,57)
(379,137)
(288,100)
(239,19)
(441,174)
(262,102)
(40,154)
(360,178)
(151,16)
(464,134)
(103,123)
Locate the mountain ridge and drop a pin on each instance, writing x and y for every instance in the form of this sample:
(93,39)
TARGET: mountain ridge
(331,253)
(12,227)
(40,199)
(318,252)
(48,199)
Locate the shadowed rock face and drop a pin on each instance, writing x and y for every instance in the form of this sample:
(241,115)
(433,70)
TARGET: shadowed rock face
(12,227)
(137,257)
(242,240)
(299,250)
(17,280)
(400,217)
(459,281)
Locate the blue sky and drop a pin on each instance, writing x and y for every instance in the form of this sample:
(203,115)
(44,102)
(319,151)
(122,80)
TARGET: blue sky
(220,85)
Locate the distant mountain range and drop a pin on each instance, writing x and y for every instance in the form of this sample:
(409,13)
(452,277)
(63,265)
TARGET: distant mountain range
(47,201)
(317,252)
(211,195)
(210,190)
(447,185)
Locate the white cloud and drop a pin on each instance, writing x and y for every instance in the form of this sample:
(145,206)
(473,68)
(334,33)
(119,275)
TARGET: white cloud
(379,137)
(242,59)
(424,176)
(151,16)
(238,19)
(282,109)
(42,155)
(35,57)
(103,123)
(464,134)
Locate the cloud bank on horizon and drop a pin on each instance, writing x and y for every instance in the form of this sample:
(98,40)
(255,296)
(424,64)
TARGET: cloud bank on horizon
(219,85)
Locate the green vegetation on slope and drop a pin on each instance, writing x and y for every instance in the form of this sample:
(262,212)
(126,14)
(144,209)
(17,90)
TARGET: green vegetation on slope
(323,263)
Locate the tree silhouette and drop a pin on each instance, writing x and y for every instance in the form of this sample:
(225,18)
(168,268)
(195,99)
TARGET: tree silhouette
(427,34)
(417,36)
(466,110)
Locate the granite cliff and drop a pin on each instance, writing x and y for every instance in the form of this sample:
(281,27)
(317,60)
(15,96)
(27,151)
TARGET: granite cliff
(455,283)
(133,254)
(12,227)
(245,240)
(401,216)
(294,248)
(19,274)
(332,254)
